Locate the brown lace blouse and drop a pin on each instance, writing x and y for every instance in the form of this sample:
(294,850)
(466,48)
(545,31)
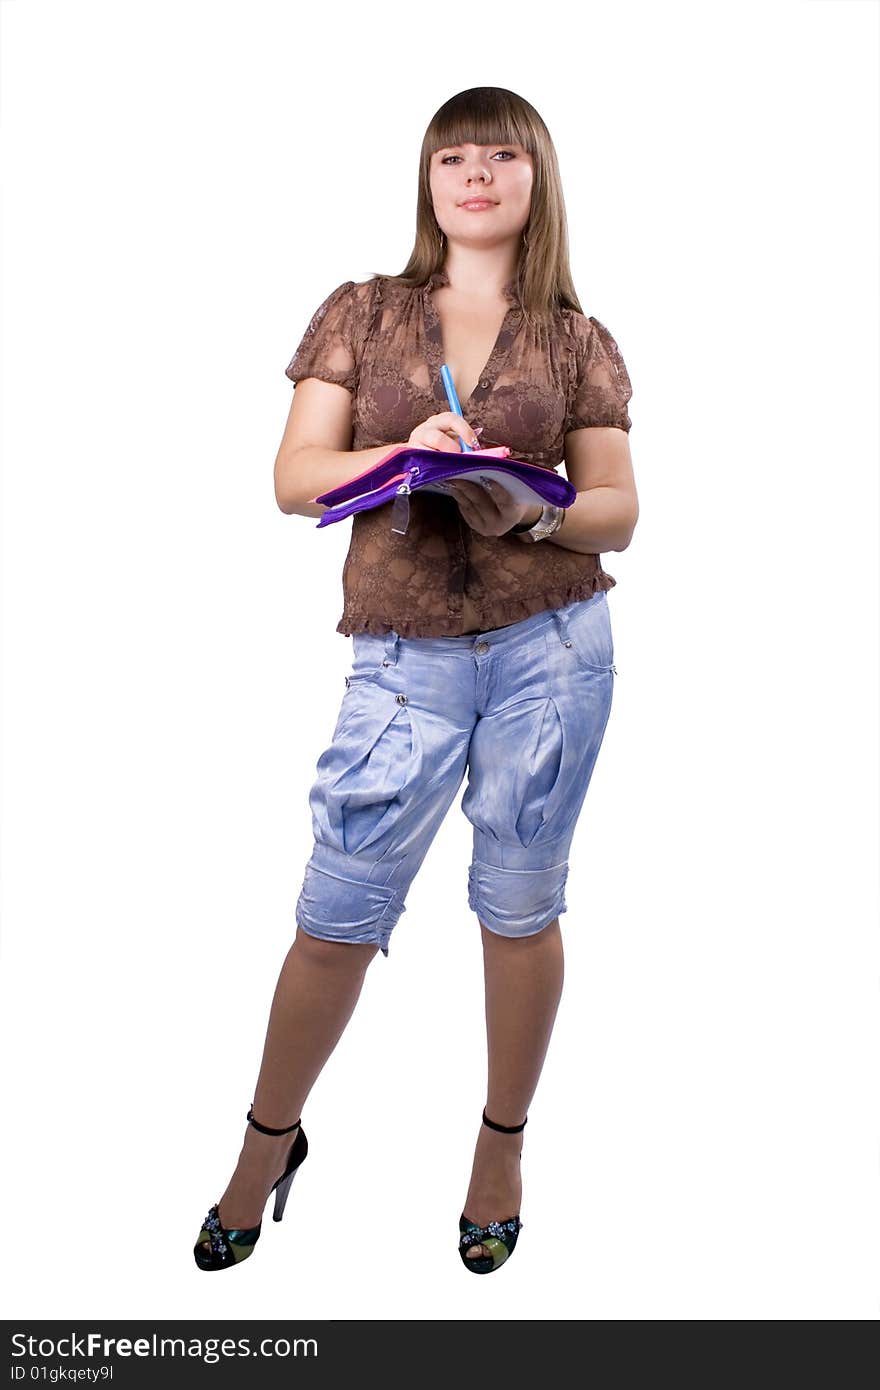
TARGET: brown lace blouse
(383,343)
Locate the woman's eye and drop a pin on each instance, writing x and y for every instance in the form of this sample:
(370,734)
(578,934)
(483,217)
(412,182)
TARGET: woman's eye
(458,156)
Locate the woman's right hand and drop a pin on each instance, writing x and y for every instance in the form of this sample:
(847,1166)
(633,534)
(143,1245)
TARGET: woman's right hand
(442,432)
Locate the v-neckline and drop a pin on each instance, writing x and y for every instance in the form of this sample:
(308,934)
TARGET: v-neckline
(434,343)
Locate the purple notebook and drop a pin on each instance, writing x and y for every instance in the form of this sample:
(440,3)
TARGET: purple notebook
(406,469)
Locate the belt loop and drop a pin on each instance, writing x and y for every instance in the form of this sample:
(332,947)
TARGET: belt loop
(391,640)
(562,623)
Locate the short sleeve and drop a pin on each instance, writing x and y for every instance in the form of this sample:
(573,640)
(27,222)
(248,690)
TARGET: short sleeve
(601,388)
(329,348)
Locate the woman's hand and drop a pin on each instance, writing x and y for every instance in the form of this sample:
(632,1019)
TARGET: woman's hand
(442,432)
(491,512)
(489,508)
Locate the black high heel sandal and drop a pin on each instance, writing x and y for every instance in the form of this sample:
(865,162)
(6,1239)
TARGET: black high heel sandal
(499,1237)
(230,1247)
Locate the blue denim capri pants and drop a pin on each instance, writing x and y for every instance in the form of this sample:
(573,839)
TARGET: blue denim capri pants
(522,709)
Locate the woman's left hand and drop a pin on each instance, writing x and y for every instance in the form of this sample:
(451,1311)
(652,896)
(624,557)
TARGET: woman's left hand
(489,508)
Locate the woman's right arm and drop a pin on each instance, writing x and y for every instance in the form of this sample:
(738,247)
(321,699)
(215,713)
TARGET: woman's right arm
(315,453)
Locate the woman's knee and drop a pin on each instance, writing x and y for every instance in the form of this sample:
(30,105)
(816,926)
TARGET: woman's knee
(338,953)
(517,902)
(341,905)
(495,939)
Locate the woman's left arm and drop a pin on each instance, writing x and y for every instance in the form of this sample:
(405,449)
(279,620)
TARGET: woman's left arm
(603,516)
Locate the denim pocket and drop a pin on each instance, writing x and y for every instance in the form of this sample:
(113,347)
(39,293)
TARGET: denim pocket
(589,634)
(368,659)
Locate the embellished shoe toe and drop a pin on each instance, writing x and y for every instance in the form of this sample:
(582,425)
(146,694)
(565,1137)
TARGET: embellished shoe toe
(225,1247)
(219,1247)
(499,1238)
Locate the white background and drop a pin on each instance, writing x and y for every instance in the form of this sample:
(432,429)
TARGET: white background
(183,184)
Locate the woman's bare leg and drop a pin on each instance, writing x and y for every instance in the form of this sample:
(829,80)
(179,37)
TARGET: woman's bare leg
(317,990)
(523,980)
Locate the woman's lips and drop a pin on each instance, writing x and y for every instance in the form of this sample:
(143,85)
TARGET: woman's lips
(477,205)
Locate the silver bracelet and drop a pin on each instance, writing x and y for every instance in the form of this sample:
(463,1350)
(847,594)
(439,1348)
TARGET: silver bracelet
(548,524)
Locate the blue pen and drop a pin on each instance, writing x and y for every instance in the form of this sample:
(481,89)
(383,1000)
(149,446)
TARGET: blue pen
(400,510)
(454,406)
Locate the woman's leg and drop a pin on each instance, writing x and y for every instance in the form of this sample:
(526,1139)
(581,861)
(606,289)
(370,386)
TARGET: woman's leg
(317,990)
(523,980)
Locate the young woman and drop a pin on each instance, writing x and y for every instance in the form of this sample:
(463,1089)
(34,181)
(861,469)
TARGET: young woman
(483,629)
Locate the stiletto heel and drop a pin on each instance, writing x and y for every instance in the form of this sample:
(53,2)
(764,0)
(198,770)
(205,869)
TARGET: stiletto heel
(281,1195)
(499,1237)
(218,1247)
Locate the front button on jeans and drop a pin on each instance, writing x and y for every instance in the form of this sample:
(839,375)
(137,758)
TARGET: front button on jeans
(522,713)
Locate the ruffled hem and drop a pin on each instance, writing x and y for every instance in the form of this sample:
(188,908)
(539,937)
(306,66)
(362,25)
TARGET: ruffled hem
(498,614)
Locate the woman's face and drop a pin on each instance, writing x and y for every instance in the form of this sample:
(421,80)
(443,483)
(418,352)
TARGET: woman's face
(501,173)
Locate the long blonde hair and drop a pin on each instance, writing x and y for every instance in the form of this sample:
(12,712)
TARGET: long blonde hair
(486,116)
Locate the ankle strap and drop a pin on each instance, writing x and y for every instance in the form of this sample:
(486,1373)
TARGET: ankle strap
(264,1129)
(504,1129)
